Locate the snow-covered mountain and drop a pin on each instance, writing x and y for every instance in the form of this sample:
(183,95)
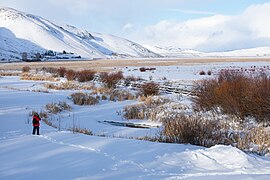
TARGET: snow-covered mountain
(21,32)
(170,51)
(252,52)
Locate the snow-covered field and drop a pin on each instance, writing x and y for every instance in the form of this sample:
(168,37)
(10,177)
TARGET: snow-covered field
(63,155)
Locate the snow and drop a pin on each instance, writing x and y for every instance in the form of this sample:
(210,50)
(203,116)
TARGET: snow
(190,72)
(63,155)
(252,52)
(170,51)
(259,52)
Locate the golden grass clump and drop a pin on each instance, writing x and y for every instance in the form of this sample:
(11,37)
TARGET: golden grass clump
(37,77)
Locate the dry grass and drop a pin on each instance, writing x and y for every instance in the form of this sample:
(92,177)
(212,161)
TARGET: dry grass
(85,75)
(193,130)
(55,108)
(71,75)
(208,132)
(154,101)
(7,73)
(61,71)
(150,89)
(101,90)
(26,69)
(103,97)
(121,95)
(69,86)
(110,80)
(37,77)
(137,111)
(110,65)
(49,123)
(51,70)
(149,109)
(82,131)
(256,139)
(83,99)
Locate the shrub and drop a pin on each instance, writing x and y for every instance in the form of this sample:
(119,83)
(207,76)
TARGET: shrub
(143,69)
(83,131)
(110,80)
(37,77)
(62,86)
(149,89)
(103,97)
(151,101)
(71,75)
(213,130)
(25,69)
(56,108)
(131,78)
(61,71)
(69,85)
(98,97)
(237,94)
(209,73)
(43,115)
(83,99)
(51,70)
(2,73)
(150,109)
(135,111)
(202,73)
(194,130)
(85,75)
(121,95)
(100,90)
(255,140)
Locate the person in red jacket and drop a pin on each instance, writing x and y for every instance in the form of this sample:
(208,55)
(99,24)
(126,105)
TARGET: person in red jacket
(36,123)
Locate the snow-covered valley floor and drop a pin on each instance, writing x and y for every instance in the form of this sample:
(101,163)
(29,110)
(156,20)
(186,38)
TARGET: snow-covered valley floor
(64,155)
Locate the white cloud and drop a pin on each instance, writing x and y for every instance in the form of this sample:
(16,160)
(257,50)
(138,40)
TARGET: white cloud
(128,27)
(215,33)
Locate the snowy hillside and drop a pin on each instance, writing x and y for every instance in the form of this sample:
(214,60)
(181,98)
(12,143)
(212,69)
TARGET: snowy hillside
(253,52)
(171,51)
(21,32)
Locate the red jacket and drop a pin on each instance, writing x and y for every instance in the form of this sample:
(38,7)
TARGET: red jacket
(37,119)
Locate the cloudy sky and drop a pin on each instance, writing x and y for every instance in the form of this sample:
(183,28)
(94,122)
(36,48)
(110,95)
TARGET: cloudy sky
(205,25)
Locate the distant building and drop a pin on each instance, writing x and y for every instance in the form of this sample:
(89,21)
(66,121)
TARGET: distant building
(49,53)
(38,57)
(24,56)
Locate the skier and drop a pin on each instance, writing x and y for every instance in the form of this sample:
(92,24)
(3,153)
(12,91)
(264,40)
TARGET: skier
(36,124)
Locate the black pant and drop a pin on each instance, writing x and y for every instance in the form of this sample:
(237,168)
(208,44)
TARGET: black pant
(35,128)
